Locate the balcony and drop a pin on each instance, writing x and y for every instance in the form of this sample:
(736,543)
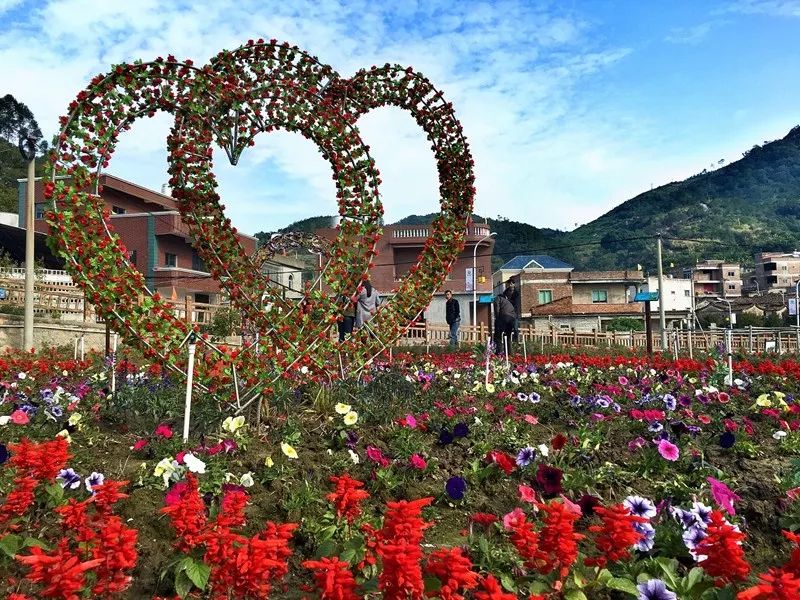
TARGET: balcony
(770,266)
(171,224)
(415,235)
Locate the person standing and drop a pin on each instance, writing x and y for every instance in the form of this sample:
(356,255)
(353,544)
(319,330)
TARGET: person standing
(348,317)
(452,314)
(503,322)
(512,293)
(367,305)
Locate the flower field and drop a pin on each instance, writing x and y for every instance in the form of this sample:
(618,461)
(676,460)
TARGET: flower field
(563,476)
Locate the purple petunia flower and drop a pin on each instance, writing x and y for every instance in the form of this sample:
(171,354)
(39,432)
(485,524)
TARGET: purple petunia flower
(534,397)
(461,430)
(641,507)
(693,536)
(655,589)
(646,543)
(525,456)
(93,480)
(727,439)
(445,437)
(455,488)
(68,478)
(3,453)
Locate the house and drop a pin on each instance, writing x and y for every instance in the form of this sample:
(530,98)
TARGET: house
(777,270)
(768,309)
(713,278)
(150,226)
(581,300)
(288,274)
(528,263)
(399,248)
(678,301)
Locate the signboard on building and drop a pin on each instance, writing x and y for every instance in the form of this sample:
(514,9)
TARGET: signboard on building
(469,278)
(793,307)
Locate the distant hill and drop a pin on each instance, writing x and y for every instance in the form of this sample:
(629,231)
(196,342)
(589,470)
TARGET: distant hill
(735,210)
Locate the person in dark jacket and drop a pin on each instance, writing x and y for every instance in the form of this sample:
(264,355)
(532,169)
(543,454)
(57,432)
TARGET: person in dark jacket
(504,316)
(348,317)
(452,314)
(512,293)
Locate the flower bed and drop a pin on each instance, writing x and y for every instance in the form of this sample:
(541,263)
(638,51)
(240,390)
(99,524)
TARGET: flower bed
(563,477)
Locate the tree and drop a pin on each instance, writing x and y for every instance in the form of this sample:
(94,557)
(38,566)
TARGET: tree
(16,120)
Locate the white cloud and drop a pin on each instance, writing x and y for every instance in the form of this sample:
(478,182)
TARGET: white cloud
(690,35)
(777,8)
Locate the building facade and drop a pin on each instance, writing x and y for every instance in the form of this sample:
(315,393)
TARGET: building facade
(584,301)
(150,226)
(777,271)
(398,250)
(714,279)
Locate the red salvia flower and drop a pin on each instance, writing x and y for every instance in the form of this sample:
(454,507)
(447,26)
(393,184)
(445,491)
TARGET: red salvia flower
(558,542)
(484,519)
(19,500)
(74,517)
(60,573)
(793,565)
(525,539)
(116,548)
(399,549)
(616,535)
(774,585)
(107,494)
(454,571)
(333,578)
(188,516)
(41,461)
(347,497)
(724,556)
(491,590)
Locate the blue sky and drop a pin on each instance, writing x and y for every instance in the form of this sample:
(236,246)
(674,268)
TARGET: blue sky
(570,108)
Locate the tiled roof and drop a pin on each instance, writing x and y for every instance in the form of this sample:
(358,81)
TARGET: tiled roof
(535,261)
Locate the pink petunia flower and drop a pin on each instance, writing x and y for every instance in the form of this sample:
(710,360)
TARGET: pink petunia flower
(723,495)
(527,493)
(20,417)
(513,519)
(139,444)
(411,421)
(668,450)
(417,462)
(164,431)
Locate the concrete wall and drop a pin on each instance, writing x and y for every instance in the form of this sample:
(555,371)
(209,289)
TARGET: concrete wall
(582,324)
(51,333)
(435,314)
(582,292)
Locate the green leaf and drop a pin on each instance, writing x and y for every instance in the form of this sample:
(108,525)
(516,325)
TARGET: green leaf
(348,555)
(575,595)
(326,548)
(327,532)
(29,541)
(432,584)
(604,576)
(483,544)
(198,573)
(11,544)
(622,585)
(507,581)
(183,585)
(694,577)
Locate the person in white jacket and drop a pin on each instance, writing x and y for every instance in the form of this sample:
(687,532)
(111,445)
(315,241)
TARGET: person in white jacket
(367,305)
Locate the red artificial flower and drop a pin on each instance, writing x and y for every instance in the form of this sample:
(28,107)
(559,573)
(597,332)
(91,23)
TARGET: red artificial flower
(502,460)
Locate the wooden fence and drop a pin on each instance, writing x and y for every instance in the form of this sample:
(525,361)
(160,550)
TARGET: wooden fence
(750,340)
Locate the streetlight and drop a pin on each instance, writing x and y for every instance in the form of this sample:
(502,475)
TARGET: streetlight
(475,278)
(797,312)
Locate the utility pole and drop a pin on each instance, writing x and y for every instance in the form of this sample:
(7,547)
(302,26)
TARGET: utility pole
(662,321)
(27,147)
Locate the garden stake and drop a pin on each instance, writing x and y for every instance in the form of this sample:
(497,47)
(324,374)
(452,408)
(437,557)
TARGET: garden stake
(524,351)
(83,346)
(488,350)
(189,376)
(505,348)
(114,363)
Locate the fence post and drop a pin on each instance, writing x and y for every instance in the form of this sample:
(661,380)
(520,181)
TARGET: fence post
(596,338)
(187,307)
(750,338)
(574,336)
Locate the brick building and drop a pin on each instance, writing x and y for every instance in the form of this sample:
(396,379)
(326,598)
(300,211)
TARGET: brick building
(151,228)
(580,300)
(398,249)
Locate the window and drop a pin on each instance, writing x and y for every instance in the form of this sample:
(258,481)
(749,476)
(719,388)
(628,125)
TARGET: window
(40,209)
(197,263)
(170,260)
(687,293)
(545,296)
(202,298)
(784,268)
(731,286)
(731,274)
(599,296)
(291,281)
(117,210)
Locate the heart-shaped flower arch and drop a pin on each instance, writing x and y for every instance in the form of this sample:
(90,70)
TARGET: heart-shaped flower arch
(259,87)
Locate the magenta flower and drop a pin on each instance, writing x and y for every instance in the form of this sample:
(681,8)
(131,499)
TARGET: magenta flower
(723,495)
(164,430)
(417,461)
(668,450)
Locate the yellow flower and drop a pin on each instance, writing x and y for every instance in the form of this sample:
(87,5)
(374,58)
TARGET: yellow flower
(351,418)
(232,424)
(288,450)
(269,462)
(342,408)
(65,434)
(490,388)
(74,418)
(763,400)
